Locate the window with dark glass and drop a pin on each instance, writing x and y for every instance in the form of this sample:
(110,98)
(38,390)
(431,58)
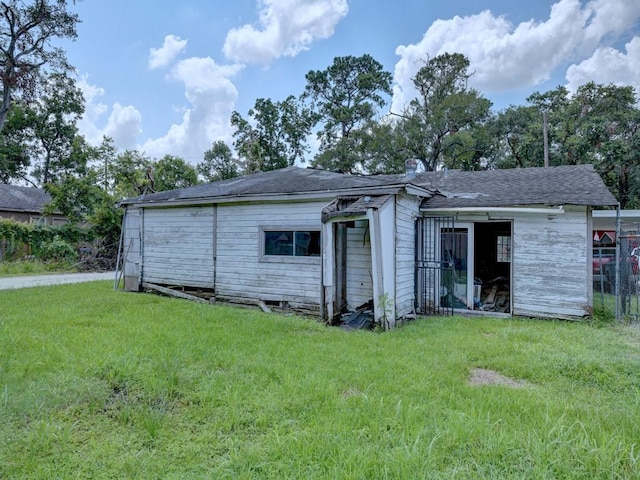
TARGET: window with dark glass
(504,249)
(292,243)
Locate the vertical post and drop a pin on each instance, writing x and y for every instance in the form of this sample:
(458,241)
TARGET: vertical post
(617,286)
(116,280)
(341,267)
(545,136)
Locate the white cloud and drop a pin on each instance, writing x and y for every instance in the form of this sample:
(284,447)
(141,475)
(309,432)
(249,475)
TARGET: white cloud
(212,96)
(286,28)
(163,56)
(123,124)
(503,56)
(93,110)
(608,65)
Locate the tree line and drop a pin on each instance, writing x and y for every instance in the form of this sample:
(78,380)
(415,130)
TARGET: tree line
(345,106)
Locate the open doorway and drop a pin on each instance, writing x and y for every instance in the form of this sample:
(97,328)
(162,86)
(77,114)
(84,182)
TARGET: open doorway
(492,266)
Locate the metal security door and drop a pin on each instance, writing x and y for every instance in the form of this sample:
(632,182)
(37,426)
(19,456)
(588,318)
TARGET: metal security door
(434,274)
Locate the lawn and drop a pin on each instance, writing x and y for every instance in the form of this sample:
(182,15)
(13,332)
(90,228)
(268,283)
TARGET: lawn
(96,383)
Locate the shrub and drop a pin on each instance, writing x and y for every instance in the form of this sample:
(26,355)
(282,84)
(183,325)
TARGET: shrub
(57,250)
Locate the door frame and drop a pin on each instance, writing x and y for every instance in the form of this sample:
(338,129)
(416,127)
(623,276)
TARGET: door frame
(469,226)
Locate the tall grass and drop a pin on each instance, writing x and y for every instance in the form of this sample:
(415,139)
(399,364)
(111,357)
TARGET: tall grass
(102,384)
(33,267)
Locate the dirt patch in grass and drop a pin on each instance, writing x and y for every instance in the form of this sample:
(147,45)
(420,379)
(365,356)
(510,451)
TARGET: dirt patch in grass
(483,376)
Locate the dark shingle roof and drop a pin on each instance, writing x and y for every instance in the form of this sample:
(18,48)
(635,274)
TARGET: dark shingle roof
(289,180)
(564,185)
(574,185)
(22,199)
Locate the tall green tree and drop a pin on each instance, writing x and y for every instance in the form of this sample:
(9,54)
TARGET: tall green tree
(14,151)
(131,174)
(54,117)
(218,163)
(345,97)
(439,124)
(275,136)
(172,172)
(597,124)
(28,30)
(105,156)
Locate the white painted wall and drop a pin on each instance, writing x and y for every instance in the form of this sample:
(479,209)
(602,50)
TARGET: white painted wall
(551,264)
(242,271)
(178,246)
(406,211)
(359,280)
(131,259)
(551,261)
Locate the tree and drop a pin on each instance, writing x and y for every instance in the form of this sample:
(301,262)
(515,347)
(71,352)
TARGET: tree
(172,172)
(598,124)
(27,31)
(131,174)
(381,147)
(345,97)
(446,107)
(75,197)
(105,157)
(54,115)
(14,154)
(518,133)
(276,138)
(218,163)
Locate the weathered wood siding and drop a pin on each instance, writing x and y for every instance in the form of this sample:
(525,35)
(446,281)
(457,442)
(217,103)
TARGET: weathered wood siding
(407,208)
(359,280)
(242,271)
(551,264)
(131,260)
(178,246)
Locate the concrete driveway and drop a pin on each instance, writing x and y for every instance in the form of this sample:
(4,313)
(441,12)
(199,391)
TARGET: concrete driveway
(7,283)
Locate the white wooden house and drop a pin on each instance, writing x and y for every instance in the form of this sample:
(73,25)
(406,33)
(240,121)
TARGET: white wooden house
(325,241)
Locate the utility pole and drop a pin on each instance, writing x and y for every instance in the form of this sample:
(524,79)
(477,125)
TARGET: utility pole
(545,138)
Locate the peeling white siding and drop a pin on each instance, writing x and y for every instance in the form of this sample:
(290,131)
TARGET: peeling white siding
(131,249)
(406,212)
(359,280)
(242,271)
(551,264)
(178,246)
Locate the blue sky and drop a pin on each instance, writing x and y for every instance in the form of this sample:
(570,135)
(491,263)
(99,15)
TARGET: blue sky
(164,77)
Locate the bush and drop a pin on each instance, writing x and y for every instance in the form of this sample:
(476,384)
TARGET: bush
(57,250)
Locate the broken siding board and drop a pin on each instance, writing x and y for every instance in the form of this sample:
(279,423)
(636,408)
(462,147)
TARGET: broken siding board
(178,246)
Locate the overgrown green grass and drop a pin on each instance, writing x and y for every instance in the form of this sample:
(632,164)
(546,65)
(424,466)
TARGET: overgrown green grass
(102,384)
(33,267)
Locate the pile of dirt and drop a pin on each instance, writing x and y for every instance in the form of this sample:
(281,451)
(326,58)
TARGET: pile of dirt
(483,376)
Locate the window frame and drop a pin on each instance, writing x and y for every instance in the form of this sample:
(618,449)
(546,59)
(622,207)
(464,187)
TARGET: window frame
(263,257)
(503,242)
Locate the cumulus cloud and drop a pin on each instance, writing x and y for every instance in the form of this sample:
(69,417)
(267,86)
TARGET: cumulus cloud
(124,123)
(286,27)
(163,56)
(212,96)
(123,126)
(504,56)
(608,65)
